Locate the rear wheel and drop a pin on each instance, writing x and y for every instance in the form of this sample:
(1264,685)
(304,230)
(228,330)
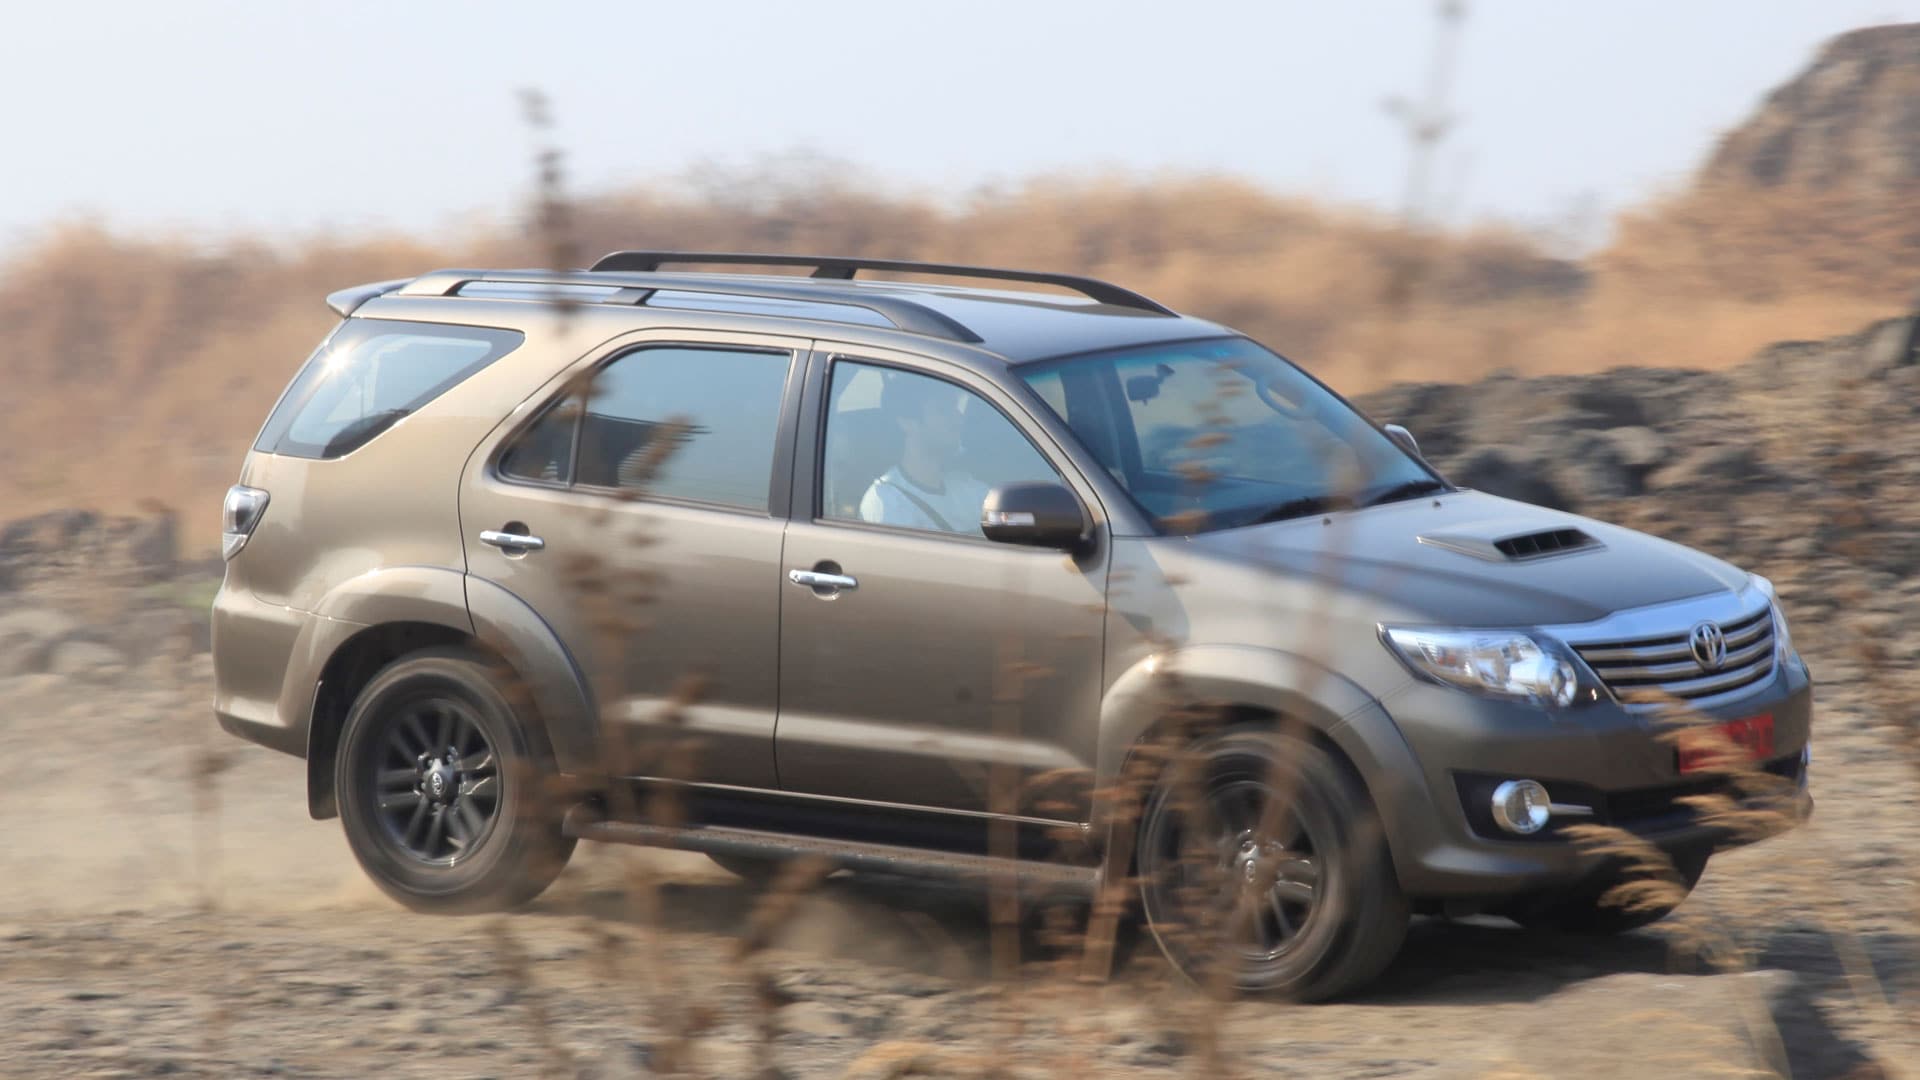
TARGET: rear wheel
(442,791)
(1269,873)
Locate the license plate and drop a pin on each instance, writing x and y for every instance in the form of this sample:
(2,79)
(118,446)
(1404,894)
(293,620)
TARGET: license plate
(1750,738)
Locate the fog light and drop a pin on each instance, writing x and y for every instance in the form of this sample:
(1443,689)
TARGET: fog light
(1521,806)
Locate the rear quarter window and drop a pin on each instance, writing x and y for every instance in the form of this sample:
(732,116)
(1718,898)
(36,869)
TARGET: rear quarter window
(370,374)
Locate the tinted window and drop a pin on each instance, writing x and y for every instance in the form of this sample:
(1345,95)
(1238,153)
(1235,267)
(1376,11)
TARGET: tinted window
(368,375)
(917,452)
(1222,432)
(544,452)
(685,423)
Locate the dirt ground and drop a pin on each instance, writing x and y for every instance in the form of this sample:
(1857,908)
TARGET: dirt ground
(154,926)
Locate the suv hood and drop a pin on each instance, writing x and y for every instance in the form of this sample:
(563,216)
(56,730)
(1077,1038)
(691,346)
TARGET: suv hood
(1471,559)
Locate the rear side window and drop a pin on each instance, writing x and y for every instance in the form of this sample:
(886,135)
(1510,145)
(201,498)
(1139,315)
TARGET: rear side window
(368,375)
(676,422)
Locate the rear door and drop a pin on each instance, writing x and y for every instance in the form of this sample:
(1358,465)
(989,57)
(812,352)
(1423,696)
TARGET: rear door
(947,653)
(657,492)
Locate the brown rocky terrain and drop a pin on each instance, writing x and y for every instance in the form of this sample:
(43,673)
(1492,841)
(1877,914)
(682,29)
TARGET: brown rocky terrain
(167,909)
(1850,120)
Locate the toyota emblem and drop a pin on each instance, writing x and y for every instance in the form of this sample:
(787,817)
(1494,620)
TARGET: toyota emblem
(1709,645)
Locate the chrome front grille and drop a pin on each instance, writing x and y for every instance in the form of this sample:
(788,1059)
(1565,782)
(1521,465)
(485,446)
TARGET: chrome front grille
(1666,666)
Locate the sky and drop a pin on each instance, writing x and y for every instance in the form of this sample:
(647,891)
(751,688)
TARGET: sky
(212,118)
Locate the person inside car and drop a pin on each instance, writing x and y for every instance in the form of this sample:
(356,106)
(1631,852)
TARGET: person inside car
(925,489)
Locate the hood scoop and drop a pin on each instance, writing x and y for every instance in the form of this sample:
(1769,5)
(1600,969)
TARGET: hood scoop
(1495,545)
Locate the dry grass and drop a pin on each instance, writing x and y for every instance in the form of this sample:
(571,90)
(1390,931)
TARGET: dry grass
(168,352)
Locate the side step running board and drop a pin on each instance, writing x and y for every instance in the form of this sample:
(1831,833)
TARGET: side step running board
(1035,879)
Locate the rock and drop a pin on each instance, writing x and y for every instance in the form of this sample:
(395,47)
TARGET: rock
(20,655)
(86,660)
(164,631)
(1612,408)
(47,531)
(813,1018)
(1593,467)
(28,637)
(897,1058)
(1639,447)
(1724,467)
(1493,472)
(625,1059)
(1890,344)
(38,624)
(153,545)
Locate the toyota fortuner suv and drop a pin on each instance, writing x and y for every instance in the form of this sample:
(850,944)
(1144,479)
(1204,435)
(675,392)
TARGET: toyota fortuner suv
(1048,586)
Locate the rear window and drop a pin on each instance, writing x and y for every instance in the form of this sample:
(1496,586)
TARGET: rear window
(368,375)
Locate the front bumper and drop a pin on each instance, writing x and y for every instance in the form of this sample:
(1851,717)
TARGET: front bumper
(1458,746)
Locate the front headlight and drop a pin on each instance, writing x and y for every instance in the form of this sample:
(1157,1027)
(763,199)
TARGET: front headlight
(1505,663)
(1782,640)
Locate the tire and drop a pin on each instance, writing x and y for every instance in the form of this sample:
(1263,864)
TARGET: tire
(1334,915)
(473,828)
(1585,911)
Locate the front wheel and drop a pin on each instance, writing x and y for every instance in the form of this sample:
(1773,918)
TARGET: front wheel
(1263,868)
(442,791)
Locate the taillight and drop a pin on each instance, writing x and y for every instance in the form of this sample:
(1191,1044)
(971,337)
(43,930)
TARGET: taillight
(243,509)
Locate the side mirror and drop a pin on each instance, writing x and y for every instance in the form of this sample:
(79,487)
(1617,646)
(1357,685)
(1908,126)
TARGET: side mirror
(1041,514)
(1404,438)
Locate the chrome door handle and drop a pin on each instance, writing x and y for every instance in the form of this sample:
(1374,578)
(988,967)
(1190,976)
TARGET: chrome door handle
(813,579)
(512,541)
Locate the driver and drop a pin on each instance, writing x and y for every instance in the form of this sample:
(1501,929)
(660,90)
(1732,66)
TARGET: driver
(925,490)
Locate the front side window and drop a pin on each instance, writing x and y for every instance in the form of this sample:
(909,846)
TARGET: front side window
(677,422)
(916,452)
(370,374)
(1221,432)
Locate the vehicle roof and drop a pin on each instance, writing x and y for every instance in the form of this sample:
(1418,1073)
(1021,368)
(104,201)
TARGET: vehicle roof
(1017,325)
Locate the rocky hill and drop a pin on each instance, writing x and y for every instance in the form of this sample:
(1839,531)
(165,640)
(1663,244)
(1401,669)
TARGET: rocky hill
(1850,120)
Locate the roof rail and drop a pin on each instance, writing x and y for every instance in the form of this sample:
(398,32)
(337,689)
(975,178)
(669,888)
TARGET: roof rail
(840,269)
(901,311)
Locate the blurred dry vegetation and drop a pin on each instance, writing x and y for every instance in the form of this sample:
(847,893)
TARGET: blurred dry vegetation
(168,352)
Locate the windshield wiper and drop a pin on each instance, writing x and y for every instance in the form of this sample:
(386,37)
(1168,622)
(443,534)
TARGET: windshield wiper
(1301,507)
(1407,490)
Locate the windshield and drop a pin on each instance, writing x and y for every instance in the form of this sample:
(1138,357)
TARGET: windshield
(1219,433)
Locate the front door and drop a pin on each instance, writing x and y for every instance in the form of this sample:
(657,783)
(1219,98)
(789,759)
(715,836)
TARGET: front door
(919,654)
(659,516)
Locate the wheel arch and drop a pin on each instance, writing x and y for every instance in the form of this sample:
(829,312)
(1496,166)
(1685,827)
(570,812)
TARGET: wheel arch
(1287,692)
(388,614)
(1234,685)
(1247,684)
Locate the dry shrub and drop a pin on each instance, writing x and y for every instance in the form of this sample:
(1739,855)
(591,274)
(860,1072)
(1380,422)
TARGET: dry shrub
(169,350)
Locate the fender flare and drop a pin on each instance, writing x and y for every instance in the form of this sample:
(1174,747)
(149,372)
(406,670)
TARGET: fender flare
(561,694)
(1283,683)
(1286,685)
(491,615)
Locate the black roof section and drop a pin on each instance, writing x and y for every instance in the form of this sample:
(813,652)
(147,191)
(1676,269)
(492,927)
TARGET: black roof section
(1019,325)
